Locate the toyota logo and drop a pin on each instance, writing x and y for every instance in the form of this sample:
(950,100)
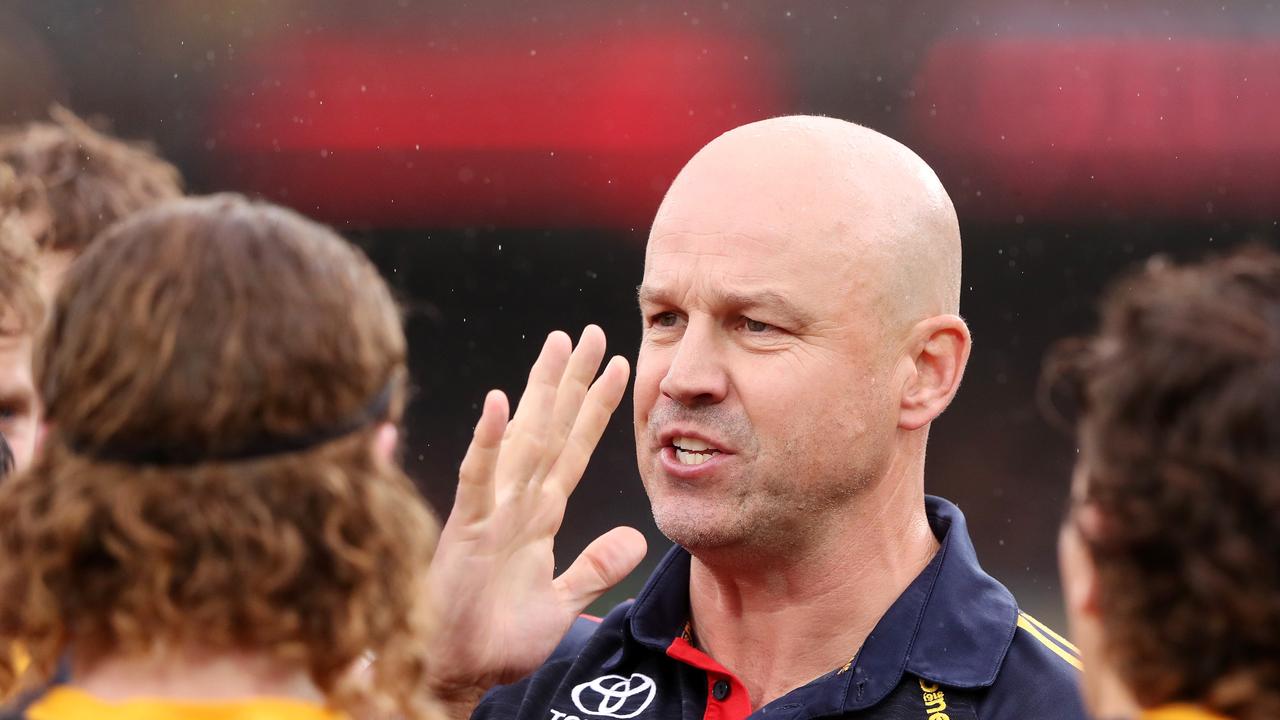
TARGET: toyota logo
(615,696)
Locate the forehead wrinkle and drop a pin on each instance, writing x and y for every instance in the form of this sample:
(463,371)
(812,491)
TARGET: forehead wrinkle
(834,238)
(766,299)
(779,258)
(762,235)
(756,280)
(759,297)
(697,253)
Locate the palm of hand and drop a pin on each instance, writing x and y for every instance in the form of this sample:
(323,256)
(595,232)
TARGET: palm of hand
(501,610)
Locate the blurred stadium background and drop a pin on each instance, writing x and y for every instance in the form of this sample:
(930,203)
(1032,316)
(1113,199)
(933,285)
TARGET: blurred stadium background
(501,160)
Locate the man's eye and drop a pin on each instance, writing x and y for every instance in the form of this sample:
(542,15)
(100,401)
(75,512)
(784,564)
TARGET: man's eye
(756,326)
(666,319)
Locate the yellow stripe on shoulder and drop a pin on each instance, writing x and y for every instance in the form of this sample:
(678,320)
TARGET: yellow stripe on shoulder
(1058,650)
(1049,631)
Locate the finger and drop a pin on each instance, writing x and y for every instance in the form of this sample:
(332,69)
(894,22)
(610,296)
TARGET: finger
(572,391)
(545,375)
(602,399)
(526,435)
(605,563)
(474,499)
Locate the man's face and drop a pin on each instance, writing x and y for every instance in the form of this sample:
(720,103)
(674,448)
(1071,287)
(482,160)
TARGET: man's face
(19,411)
(763,396)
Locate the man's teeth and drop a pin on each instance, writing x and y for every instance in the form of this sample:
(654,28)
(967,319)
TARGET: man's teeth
(692,458)
(695,444)
(691,451)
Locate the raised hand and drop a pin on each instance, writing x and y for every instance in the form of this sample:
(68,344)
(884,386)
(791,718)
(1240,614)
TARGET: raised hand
(492,582)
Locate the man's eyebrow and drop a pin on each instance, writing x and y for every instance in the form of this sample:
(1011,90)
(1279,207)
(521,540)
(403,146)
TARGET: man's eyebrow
(767,299)
(647,294)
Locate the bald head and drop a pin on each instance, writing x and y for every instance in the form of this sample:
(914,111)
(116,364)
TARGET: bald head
(800,288)
(830,192)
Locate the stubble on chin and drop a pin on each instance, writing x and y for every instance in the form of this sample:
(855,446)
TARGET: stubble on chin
(694,522)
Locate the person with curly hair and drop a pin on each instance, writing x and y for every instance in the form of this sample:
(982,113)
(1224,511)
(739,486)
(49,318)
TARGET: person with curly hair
(62,182)
(1168,552)
(217,526)
(75,181)
(21,314)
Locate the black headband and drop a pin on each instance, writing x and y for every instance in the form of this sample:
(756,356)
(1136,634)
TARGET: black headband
(266,445)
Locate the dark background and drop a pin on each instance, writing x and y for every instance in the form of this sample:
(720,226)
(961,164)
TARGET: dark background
(500,162)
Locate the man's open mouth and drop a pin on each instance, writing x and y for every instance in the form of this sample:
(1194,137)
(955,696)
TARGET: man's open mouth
(690,451)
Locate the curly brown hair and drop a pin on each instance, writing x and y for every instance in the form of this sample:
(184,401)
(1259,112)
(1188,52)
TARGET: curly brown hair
(1179,431)
(185,344)
(82,179)
(21,305)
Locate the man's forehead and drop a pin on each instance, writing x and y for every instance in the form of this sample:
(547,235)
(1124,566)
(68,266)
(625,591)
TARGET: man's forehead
(783,281)
(726,216)
(761,250)
(689,239)
(751,210)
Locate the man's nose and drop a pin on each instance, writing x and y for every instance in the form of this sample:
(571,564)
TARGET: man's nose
(697,374)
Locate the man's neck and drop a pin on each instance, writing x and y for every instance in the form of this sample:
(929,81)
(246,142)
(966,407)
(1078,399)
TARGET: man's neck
(778,623)
(1105,693)
(192,675)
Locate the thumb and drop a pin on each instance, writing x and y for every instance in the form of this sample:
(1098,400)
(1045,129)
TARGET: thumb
(606,561)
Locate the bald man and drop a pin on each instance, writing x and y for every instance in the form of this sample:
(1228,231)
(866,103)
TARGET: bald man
(800,334)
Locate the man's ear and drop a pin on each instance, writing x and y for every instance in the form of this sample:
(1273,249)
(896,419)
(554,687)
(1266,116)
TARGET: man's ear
(1080,592)
(385,441)
(939,350)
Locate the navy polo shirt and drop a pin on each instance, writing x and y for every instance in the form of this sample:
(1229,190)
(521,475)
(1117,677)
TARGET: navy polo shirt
(953,646)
